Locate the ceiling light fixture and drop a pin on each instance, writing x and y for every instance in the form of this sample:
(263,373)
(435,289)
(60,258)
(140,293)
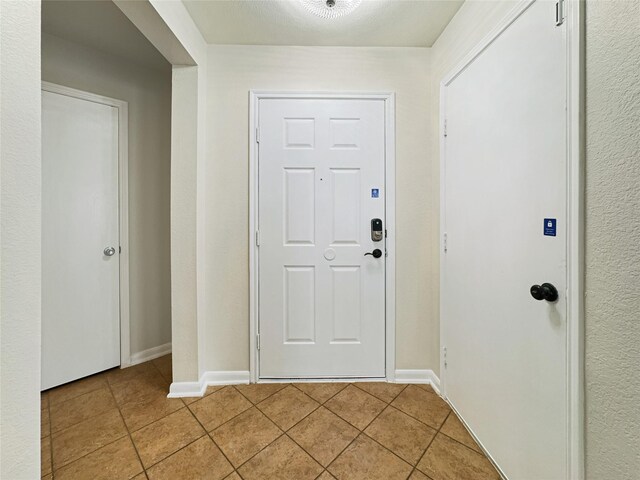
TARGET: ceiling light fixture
(331,8)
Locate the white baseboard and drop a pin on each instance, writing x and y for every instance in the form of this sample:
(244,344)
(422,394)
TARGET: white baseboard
(197,389)
(419,376)
(149,354)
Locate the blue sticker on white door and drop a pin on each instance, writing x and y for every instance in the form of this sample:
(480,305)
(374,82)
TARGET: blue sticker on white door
(550,227)
(375,193)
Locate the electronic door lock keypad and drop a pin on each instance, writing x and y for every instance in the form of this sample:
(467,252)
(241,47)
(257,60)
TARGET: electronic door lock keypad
(377,233)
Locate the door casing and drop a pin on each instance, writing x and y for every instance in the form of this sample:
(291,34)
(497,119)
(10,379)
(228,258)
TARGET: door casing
(123,203)
(574,19)
(390,182)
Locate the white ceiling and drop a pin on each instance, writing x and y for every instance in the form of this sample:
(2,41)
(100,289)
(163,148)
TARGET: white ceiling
(381,23)
(101,25)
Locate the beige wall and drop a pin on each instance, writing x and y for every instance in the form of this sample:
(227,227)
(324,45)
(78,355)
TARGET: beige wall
(20,271)
(613,239)
(233,71)
(148,92)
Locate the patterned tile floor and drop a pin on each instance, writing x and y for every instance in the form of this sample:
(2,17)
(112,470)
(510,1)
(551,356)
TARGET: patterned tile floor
(119,424)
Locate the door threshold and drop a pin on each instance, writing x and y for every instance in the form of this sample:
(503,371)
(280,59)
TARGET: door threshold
(322,380)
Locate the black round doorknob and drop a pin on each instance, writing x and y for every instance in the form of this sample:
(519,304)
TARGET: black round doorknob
(546,291)
(377,253)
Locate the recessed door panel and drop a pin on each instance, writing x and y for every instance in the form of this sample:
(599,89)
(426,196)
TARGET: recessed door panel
(347,308)
(300,304)
(299,206)
(346,193)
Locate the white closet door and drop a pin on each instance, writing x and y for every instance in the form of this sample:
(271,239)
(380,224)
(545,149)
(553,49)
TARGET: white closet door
(80,280)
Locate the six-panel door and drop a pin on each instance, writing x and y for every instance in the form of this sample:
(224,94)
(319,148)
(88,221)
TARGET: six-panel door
(321,181)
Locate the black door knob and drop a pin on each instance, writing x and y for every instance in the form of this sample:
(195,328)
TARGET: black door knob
(546,291)
(377,253)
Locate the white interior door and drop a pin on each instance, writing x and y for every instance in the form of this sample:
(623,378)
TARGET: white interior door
(80,284)
(321,182)
(505,165)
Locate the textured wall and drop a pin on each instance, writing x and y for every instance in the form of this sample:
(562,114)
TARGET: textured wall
(613,240)
(20,272)
(233,71)
(148,92)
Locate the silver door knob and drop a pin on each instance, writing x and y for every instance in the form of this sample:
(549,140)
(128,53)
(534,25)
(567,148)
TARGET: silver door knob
(109,251)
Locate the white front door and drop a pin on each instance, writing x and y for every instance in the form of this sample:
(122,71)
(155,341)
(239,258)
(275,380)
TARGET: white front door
(321,183)
(505,204)
(80,280)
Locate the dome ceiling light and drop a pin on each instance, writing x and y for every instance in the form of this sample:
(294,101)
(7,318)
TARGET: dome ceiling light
(331,8)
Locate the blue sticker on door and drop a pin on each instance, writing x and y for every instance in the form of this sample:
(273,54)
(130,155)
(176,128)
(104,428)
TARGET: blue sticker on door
(550,227)
(375,193)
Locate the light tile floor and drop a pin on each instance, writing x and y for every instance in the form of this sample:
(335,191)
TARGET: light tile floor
(119,424)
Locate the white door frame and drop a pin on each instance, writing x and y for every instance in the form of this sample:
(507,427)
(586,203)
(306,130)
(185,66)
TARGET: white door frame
(390,211)
(574,20)
(123,202)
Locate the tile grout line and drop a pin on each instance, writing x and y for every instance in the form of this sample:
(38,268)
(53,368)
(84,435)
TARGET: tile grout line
(430,443)
(361,431)
(92,451)
(144,470)
(284,433)
(50,436)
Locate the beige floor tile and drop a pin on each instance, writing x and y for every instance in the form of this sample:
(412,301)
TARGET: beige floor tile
(326,476)
(45,456)
(287,407)
(233,476)
(245,435)
(48,476)
(219,407)
(86,437)
(78,409)
(210,389)
(355,406)
(364,459)
(118,375)
(321,392)
(282,460)
(140,476)
(166,436)
(454,428)
(115,461)
(165,366)
(403,435)
(419,403)
(146,410)
(145,384)
(447,459)
(323,435)
(257,392)
(418,475)
(425,386)
(77,388)
(382,390)
(45,426)
(200,460)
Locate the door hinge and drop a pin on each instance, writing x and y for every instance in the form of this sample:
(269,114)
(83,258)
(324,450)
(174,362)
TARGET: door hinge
(257,134)
(445,128)
(258,341)
(257,238)
(120,249)
(560,12)
(444,356)
(444,242)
